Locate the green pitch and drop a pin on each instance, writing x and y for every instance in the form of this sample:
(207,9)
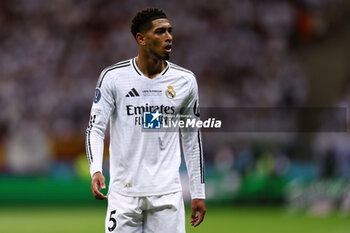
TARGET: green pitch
(230,219)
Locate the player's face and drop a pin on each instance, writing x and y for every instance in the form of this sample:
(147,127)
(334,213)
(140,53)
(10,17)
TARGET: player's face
(159,39)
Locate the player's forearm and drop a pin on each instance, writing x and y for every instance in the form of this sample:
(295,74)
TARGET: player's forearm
(94,151)
(195,165)
(197,186)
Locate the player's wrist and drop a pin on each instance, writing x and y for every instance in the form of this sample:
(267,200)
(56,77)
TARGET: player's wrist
(98,173)
(197,201)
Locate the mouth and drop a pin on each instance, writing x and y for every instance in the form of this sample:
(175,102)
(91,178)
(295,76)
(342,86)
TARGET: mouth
(168,48)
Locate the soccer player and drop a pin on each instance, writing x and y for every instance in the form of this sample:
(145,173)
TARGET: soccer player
(145,193)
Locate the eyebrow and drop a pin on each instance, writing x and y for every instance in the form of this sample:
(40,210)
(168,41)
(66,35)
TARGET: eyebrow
(164,27)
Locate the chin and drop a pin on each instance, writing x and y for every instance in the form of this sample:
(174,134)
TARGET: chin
(162,56)
(165,56)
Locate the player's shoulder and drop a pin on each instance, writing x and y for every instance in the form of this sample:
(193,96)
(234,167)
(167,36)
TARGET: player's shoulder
(185,73)
(117,66)
(113,70)
(181,70)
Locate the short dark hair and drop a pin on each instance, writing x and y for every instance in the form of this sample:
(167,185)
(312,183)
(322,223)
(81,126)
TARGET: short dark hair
(143,19)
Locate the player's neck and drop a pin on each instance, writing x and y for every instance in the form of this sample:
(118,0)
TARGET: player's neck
(150,67)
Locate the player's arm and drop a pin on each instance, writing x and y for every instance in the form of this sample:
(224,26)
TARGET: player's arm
(193,154)
(102,108)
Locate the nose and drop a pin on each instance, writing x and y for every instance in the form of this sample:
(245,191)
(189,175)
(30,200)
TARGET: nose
(169,37)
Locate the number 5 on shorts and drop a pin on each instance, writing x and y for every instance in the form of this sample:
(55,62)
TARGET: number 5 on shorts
(112,219)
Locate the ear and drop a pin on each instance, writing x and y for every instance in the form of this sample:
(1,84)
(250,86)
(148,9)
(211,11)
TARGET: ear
(140,38)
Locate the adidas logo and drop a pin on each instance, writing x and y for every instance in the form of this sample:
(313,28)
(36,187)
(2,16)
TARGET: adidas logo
(132,93)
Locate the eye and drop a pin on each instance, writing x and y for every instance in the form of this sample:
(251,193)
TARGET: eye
(160,30)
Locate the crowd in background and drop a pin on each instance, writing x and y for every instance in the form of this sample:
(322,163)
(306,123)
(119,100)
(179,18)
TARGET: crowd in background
(51,54)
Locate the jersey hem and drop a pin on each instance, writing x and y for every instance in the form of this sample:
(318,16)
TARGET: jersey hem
(146,194)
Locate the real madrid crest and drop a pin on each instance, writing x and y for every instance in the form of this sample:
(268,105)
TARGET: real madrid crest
(170,93)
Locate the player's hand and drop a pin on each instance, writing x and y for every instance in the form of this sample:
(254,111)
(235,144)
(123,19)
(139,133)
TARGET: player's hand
(197,205)
(98,182)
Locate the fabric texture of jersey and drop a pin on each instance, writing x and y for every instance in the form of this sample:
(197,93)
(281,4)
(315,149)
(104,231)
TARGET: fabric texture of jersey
(144,163)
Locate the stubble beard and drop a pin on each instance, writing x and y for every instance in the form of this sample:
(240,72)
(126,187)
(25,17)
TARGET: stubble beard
(165,57)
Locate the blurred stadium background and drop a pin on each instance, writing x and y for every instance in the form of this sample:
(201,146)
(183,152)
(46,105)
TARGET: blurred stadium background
(245,53)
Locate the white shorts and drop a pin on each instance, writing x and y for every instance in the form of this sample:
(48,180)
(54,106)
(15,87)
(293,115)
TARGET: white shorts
(152,214)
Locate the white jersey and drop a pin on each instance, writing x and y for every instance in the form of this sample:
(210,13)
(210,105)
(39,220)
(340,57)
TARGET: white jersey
(144,163)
